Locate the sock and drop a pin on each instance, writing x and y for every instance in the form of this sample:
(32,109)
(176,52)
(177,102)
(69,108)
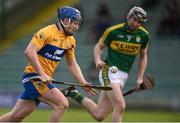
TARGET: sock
(76,96)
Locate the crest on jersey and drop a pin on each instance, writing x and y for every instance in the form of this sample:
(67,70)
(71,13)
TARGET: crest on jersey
(42,36)
(129,37)
(138,39)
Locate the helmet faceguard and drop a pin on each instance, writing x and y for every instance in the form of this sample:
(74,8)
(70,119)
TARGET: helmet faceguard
(71,13)
(139,13)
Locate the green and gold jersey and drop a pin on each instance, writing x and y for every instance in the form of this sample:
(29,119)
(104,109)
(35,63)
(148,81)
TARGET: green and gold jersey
(123,45)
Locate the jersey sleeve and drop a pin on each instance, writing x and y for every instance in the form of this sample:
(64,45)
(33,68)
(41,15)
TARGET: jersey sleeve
(106,37)
(70,53)
(146,39)
(40,38)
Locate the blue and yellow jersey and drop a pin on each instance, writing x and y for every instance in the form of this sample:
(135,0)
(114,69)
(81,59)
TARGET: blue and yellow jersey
(123,45)
(53,45)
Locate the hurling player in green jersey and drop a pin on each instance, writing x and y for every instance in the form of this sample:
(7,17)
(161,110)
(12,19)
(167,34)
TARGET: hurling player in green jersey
(123,42)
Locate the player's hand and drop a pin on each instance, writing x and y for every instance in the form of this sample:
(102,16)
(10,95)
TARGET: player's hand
(100,64)
(139,82)
(45,78)
(90,91)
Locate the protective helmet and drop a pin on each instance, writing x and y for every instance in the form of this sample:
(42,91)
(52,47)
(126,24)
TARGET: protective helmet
(69,12)
(139,13)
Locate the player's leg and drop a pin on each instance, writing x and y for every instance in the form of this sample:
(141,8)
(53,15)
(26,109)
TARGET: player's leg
(106,101)
(118,102)
(117,81)
(47,93)
(22,109)
(57,101)
(99,111)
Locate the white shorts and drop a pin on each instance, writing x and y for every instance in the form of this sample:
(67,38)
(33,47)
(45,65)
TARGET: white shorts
(118,77)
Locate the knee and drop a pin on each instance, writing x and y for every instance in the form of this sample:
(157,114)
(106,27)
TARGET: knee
(66,103)
(121,107)
(99,116)
(62,105)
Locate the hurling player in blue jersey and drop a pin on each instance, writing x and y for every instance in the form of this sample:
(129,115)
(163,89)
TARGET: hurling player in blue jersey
(44,52)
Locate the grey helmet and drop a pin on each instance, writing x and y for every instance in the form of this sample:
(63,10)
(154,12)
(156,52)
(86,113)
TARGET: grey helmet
(139,13)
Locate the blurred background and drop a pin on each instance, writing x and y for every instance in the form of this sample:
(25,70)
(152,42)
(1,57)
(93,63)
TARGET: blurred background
(20,19)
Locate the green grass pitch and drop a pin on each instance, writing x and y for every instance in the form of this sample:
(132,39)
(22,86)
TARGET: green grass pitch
(80,115)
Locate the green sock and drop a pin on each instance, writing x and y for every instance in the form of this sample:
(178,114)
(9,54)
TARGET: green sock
(76,96)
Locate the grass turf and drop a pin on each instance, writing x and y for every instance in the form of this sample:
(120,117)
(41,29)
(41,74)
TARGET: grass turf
(80,115)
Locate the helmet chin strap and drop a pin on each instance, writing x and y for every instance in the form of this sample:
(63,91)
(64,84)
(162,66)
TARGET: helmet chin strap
(66,26)
(69,21)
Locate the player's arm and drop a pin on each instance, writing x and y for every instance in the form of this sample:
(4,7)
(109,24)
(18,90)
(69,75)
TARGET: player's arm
(75,70)
(72,64)
(98,50)
(31,54)
(142,64)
